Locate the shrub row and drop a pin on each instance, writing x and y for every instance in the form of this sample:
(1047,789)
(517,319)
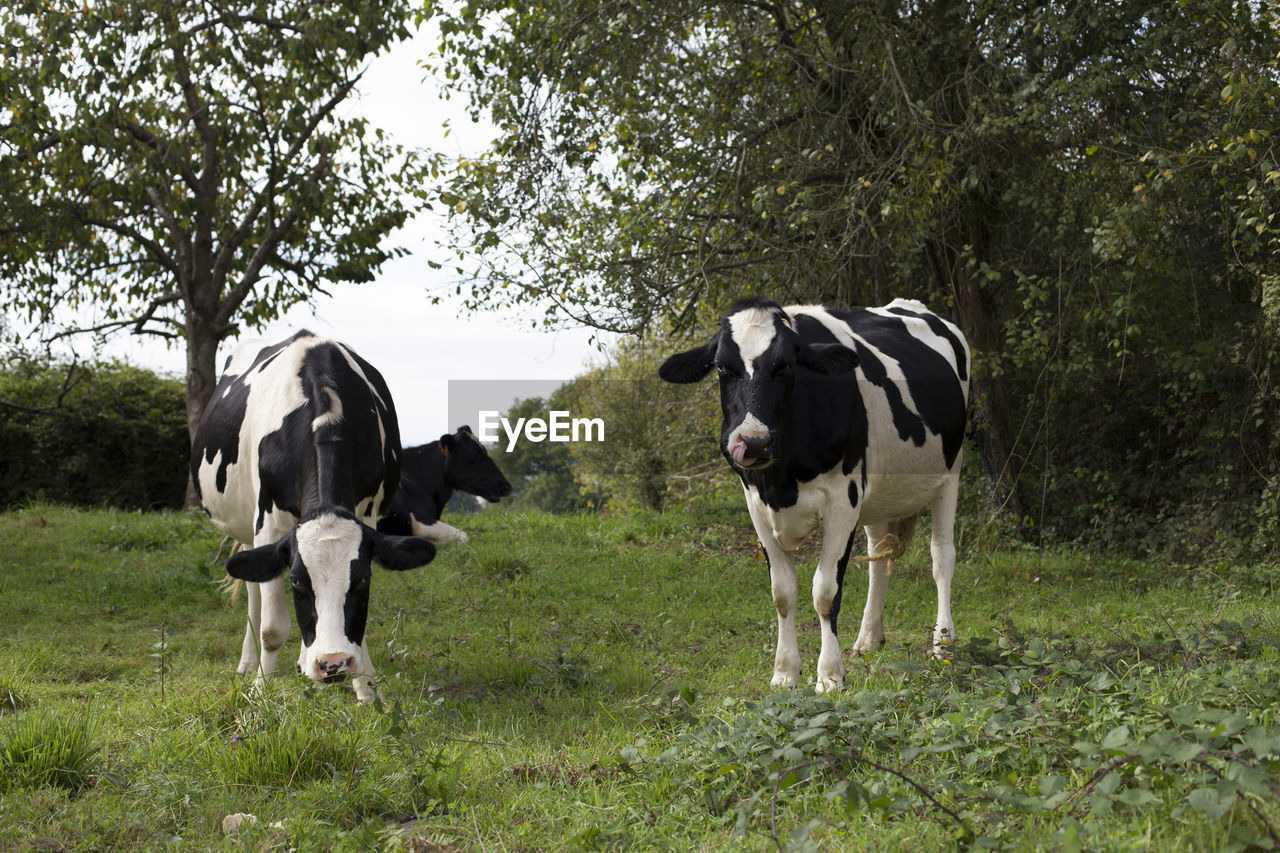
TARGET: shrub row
(94,434)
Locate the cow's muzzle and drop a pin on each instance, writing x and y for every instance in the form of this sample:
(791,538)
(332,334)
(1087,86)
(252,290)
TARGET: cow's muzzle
(335,666)
(752,451)
(497,493)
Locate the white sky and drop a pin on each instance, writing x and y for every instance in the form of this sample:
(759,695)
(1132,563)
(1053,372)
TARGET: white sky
(418,347)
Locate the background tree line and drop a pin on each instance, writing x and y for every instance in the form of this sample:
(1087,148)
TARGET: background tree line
(1089,188)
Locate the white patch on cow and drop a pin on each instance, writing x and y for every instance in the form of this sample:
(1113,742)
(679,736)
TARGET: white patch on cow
(919,329)
(327,546)
(334,413)
(752,331)
(751,427)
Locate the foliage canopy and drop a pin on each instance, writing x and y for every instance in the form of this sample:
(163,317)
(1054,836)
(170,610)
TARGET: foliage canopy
(184,168)
(1089,188)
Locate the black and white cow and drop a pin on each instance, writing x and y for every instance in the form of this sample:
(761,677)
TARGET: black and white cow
(841,419)
(432,473)
(297,455)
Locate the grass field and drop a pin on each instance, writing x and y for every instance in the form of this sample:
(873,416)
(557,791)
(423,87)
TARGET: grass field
(601,682)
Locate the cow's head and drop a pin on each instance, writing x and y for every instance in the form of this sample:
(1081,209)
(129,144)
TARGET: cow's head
(469,468)
(757,353)
(328,556)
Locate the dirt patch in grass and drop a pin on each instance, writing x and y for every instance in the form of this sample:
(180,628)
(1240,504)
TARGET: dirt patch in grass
(571,775)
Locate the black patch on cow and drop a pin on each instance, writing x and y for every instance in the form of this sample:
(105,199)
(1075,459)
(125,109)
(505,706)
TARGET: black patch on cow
(834,614)
(930,379)
(430,476)
(282,458)
(942,330)
(304,601)
(355,610)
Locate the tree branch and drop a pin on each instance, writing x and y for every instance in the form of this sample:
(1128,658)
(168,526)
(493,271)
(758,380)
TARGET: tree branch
(149,139)
(155,249)
(222,263)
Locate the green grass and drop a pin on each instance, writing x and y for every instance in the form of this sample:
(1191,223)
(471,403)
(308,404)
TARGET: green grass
(601,683)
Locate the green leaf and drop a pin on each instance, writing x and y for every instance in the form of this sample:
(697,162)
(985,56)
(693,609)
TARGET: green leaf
(1135,796)
(1116,738)
(1210,802)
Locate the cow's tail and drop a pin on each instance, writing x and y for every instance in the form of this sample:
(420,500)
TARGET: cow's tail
(228,585)
(895,542)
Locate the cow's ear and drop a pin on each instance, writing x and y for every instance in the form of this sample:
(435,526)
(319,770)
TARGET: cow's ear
(399,553)
(447,443)
(685,367)
(827,359)
(261,564)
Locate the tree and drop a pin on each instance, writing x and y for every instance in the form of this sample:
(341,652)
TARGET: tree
(541,473)
(661,440)
(185,167)
(656,159)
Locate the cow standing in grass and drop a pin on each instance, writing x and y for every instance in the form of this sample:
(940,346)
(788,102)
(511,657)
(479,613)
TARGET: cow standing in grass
(297,455)
(839,419)
(432,473)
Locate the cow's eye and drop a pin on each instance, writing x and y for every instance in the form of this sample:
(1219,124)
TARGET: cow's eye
(298,584)
(784,369)
(726,371)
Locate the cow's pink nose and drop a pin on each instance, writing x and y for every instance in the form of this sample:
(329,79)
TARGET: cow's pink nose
(334,664)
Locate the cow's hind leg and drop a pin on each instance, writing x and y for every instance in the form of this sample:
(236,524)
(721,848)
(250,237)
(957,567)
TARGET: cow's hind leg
(249,648)
(943,549)
(871,633)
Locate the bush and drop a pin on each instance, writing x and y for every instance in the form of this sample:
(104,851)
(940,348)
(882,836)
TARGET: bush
(91,434)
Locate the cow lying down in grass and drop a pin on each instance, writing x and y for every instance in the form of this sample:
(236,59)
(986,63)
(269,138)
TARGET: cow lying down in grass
(431,474)
(840,419)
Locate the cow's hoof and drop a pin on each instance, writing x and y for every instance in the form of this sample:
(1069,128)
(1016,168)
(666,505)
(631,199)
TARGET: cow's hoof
(828,684)
(461,538)
(247,668)
(867,643)
(784,680)
(363,686)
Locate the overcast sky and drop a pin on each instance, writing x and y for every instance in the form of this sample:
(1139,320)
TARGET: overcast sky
(418,347)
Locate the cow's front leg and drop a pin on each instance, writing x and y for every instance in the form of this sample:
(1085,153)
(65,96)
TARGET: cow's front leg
(249,648)
(362,684)
(274,627)
(828,584)
(438,532)
(871,633)
(782,578)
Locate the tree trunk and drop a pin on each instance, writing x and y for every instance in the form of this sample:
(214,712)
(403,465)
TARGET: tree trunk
(992,428)
(202,377)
